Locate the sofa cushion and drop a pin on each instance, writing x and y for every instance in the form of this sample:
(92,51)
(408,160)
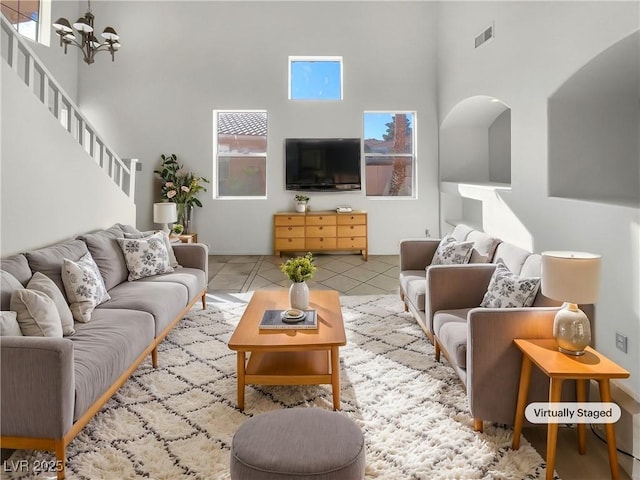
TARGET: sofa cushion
(484,246)
(9,326)
(192,278)
(451,252)
(164,300)
(41,283)
(453,339)
(18,267)
(49,260)
(508,290)
(106,252)
(36,313)
(8,283)
(84,286)
(512,256)
(104,348)
(145,256)
(442,317)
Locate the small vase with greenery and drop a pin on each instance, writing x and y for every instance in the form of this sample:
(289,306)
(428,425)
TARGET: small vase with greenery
(301,203)
(299,270)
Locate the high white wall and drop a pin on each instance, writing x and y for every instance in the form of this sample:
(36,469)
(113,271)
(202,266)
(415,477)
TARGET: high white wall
(50,189)
(181,60)
(537,47)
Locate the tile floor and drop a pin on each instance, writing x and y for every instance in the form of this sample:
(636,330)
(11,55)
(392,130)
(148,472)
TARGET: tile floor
(351,275)
(348,274)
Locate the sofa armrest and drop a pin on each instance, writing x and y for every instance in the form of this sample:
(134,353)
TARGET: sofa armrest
(494,362)
(193,255)
(37,387)
(416,254)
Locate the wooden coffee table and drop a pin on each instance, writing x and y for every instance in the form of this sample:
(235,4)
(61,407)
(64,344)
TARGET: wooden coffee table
(289,356)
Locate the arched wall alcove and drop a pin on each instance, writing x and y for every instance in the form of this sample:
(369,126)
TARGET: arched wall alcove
(475,158)
(594,129)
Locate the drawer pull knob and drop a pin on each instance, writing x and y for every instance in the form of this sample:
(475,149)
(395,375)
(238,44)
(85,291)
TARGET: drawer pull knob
(321,228)
(352,227)
(289,228)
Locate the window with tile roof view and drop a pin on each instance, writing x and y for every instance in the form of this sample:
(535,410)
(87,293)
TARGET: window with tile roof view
(240,146)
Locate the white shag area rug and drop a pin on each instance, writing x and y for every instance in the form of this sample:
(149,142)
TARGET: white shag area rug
(178,421)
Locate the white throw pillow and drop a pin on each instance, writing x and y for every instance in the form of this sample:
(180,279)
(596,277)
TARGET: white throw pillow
(41,283)
(84,286)
(173,261)
(508,290)
(145,257)
(451,252)
(36,313)
(9,326)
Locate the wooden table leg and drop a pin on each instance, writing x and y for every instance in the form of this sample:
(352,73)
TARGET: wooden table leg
(335,377)
(555,391)
(241,372)
(523,393)
(581,395)
(605,396)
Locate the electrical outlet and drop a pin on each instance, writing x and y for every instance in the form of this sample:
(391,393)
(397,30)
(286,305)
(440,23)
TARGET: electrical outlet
(427,233)
(621,342)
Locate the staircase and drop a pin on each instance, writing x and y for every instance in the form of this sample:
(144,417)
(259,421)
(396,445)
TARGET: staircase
(21,58)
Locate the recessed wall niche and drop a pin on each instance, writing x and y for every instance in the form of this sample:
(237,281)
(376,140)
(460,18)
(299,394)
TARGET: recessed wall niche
(475,159)
(475,142)
(594,126)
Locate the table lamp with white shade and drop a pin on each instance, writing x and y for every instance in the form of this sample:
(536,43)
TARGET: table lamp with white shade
(573,278)
(165,213)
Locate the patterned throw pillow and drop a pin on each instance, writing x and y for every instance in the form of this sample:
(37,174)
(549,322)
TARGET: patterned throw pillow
(508,290)
(145,256)
(167,243)
(450,252)
(84,286)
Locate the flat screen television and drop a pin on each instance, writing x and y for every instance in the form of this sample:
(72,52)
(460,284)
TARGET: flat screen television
(322,164)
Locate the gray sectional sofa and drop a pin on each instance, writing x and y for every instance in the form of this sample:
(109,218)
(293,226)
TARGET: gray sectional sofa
(478,341)
(51,387)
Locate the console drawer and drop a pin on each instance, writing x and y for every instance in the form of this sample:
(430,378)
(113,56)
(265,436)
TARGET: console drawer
(352,231)
(289,232)
(288,220)
(321,219)
(352,242)
(321,231)
(289,244)
(321,243)
(352,219)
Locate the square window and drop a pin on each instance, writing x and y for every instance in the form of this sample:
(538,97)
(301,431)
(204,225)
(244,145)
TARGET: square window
(315,78)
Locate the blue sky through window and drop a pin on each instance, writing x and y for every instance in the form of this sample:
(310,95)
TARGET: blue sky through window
(316,80)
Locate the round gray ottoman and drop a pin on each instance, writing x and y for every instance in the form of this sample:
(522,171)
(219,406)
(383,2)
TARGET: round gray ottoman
(300,443)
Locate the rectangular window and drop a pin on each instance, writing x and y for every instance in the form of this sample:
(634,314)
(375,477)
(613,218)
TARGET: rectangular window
(25,16)
(389,153)
(315,78)
(240,153)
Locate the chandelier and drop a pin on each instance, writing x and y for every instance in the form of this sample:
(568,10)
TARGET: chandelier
(88,43)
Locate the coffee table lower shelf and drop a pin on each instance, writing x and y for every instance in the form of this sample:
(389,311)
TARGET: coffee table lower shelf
(308,367)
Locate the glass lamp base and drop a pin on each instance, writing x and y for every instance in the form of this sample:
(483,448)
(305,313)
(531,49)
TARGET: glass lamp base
(572,330)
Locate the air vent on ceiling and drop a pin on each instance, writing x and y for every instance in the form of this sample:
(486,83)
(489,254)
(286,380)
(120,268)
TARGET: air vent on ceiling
(486,35)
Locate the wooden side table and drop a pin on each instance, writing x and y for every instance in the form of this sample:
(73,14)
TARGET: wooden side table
(559,367)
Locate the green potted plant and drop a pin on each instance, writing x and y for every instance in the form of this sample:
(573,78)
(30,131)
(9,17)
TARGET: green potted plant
(299,270)
(180,187)
(301,203)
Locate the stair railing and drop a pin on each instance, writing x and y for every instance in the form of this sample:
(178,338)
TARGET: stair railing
(22,59)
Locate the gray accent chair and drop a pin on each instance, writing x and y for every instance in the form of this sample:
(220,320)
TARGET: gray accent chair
(50,388)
